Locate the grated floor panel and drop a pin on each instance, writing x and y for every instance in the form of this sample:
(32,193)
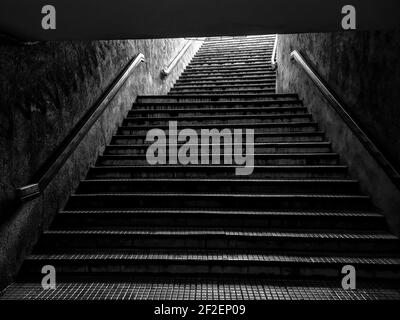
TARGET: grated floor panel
(199,289)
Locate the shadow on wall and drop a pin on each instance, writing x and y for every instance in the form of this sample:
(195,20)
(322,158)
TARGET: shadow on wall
(360,68)
(45,89)
(363,69)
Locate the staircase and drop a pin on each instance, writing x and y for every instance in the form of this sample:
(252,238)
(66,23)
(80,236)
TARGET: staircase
(138,231)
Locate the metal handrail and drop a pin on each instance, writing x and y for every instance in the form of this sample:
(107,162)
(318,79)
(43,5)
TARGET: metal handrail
(274,65)
(33,190)
(341,110)
(167,70)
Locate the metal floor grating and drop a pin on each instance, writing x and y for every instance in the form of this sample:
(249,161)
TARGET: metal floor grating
(199,289)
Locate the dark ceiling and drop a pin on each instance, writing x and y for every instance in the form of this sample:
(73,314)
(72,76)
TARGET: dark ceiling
(124,19)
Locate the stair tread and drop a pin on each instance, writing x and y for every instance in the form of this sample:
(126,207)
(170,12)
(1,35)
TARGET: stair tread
(221,180)
(220,102)
(214,125)
(275,95)
(255,144)
(275,155)
(205,166)
(231,109)
(214,256)
(223,116)
(233,232)
(300,213)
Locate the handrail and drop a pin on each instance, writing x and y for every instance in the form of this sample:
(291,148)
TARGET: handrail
(167,70)
(274,65)
(341,110)
(33,190)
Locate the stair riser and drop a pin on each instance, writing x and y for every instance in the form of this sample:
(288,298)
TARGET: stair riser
(273,128)
(215,242)
(200,268)
(228,75)
(233,52)
(259,85)
(229,69)
(227,120)
(223,187)
(123,140)
(120,201)
(231,49)
(257,149)
(266,58)
(217,112)
(219,81)
(229,63)
(259,67)
(222,91)
(168,173)
(148,219)
(237,43)
(258,160)
(232,105)
(248,89)
(223,62)
(269,98)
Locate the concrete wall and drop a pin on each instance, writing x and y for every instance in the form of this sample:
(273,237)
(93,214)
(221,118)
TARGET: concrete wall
(361,68)
(44,90)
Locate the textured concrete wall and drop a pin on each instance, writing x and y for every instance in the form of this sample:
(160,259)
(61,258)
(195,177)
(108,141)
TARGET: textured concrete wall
(361,68)
(44,90)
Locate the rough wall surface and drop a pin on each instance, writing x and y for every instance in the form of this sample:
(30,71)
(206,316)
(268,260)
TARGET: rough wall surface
(362,68)
(44,90)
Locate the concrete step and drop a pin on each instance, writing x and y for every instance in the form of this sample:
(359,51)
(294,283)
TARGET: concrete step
(258,137)
(266,97)
(241,39)
(236,43)
(224,80)
(213,262)
(258,67)
(232,50)
(229,63)
(222,91)
(221,62)
(215,47)
(221,104)
(216,171)
(236,57)
(301,219)
(262,147)
(271,159)
(218,239)
(270,186)
(228,74)
(139,112)
(264,84)
(232,56)
(263,127)
(218,200)
(219,119)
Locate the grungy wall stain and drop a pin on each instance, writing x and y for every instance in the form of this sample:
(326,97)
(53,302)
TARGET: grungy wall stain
(362,68)
(45,90)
